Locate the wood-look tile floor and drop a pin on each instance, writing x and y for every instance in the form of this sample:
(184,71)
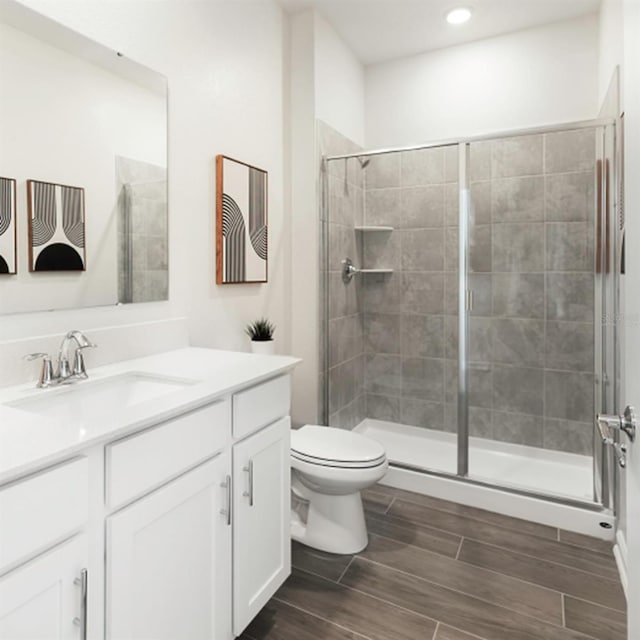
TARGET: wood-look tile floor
(436,570)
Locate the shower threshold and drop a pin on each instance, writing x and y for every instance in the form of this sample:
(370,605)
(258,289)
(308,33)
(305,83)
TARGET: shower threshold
(501,470)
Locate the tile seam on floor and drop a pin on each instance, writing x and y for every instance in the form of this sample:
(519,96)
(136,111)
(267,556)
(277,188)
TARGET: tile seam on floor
(564,615)
(557,530)
(579,546)
(382,517)
(459,548)
(471,635)
(462,593)
(393,499)
(534,584)
(604,606)
(315,615)
(499,526)
(378,598)
(345,569)
(527,555)
(435,631)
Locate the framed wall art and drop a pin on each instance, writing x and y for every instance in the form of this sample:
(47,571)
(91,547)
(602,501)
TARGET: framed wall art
(8,257)
(241,222)
(56,227)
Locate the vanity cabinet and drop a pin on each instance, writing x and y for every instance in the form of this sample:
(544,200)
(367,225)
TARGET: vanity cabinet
(261,520)
(180,529)
(169,560)
(44,598)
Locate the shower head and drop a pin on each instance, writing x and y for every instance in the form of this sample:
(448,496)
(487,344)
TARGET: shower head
(363,162)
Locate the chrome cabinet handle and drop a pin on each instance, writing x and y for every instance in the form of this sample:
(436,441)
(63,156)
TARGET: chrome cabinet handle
(249,494)
(81,622)
(227,512)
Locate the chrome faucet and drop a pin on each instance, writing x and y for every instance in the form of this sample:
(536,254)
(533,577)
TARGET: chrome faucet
(79,371)
(64,373)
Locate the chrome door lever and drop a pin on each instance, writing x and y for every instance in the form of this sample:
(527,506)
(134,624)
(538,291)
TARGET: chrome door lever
(626,423)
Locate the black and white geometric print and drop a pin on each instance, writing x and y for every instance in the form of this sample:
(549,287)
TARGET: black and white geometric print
(242,222)
(56,219)
(8,262)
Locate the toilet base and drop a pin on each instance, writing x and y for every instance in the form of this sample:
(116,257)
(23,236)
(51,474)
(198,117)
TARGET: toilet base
(335,524)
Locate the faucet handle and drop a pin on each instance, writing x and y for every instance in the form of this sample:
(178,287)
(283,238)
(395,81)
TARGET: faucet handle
(79,369)
(35,356)
(46,372)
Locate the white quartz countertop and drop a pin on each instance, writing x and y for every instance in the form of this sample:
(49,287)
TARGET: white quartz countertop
(29,441)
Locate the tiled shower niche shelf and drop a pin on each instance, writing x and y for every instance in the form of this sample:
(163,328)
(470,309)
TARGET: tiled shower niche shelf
(372,228)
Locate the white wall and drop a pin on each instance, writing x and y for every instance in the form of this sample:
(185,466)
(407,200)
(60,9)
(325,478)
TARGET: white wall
(224,63)
(64,121)
(533,77)
(610,45)
(339,82)
(304,218)
(327,83)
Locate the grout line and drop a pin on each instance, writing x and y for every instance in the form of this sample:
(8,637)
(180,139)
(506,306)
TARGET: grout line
(541,559)
(386,511)
(510,550)
(435,631)
(379,599)
(345,570)
(503,527)
(597,604)
(475,566)
(315,615)
(450,589)
(562,607)
(459,548)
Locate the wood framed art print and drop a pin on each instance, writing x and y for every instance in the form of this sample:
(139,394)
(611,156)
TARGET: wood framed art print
(241,222)
(56,227)
(8,238)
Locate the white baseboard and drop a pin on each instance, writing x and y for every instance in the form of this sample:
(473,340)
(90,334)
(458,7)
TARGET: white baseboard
(620,554)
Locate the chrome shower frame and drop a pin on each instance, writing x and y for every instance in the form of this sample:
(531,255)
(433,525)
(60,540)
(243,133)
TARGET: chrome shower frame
(606,362)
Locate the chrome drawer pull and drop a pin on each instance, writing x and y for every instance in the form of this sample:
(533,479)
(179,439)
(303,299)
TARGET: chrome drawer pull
(81,622)
(249,494)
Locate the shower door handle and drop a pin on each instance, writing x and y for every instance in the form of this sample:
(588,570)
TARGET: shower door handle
(626,423)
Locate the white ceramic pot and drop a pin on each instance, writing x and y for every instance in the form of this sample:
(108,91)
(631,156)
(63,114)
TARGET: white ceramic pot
(263,347)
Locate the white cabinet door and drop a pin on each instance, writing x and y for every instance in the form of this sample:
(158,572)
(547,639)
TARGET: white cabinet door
(40,600)
(169,560)
(261,539)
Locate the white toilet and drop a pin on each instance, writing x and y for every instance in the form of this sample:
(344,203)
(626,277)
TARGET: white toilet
(329,468)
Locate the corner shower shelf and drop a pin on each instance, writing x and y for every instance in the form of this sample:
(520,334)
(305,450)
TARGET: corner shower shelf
(373,228)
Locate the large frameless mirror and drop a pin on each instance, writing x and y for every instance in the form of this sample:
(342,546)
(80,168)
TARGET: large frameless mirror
(83,162)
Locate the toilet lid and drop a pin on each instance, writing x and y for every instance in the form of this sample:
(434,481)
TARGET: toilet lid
(335,447)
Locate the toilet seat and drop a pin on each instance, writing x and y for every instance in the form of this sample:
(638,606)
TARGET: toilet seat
(332,447)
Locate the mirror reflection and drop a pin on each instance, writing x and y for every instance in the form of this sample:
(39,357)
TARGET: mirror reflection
(83,143)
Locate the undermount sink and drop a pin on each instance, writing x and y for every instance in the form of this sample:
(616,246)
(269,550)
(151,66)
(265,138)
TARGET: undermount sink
(87,400)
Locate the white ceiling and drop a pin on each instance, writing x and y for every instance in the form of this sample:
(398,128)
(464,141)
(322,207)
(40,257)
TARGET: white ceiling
(378,30)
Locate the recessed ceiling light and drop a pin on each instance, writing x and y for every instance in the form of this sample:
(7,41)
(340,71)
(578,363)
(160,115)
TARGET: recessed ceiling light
(458,15)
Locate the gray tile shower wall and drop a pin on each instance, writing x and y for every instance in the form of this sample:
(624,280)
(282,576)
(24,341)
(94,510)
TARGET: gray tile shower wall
(345,182)
(531,259)
(406,336)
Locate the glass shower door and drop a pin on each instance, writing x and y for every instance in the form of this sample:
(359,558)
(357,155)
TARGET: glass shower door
(530,312)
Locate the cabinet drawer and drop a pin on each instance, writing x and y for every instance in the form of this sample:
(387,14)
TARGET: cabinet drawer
(145,460)
(42,509)
(261,405)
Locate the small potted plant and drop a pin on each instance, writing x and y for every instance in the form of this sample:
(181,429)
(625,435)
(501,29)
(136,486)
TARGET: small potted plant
(261,333)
